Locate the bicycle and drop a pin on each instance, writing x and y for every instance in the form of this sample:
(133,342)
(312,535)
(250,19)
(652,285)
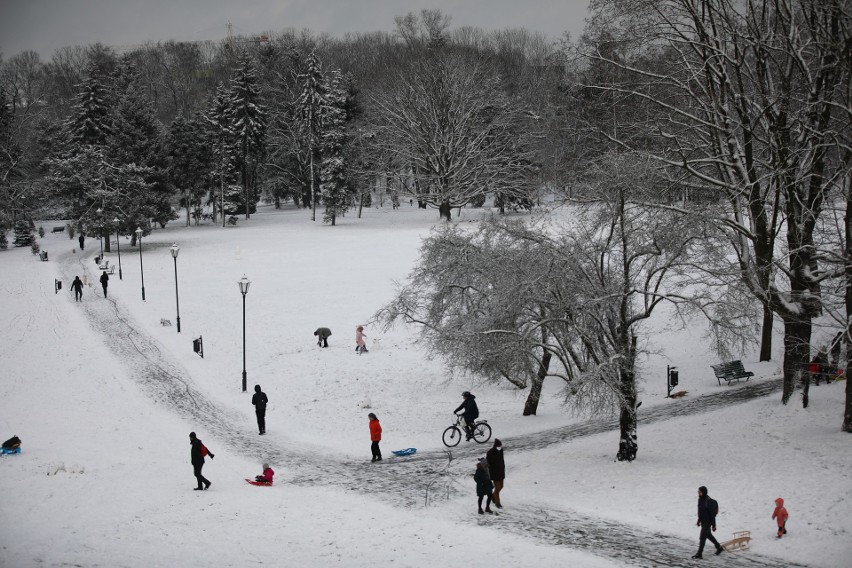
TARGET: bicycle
(453,435)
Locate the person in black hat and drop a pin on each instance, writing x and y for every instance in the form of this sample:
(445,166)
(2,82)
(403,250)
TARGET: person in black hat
(707,510)
(196,454)
(259,401)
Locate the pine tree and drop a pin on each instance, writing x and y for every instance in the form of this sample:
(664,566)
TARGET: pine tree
(333,182)
(23,234)
(248,124)
(91,121)
(221,137)
(310,105)
(190,162)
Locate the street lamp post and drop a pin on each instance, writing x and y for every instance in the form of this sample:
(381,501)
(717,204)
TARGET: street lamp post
(244,287)
(141,269)
(118,243)
(175,250)
(100,213)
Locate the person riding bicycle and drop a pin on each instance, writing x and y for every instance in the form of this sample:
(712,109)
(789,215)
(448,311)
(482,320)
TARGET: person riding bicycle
(471,412)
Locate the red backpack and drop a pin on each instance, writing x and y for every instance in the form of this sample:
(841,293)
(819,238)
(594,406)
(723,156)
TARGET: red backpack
(204,450)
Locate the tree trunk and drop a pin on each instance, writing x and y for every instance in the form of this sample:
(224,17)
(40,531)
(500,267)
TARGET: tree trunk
(444,211)
(106,241)
(766,335)
(531,406)
(628,444)
(797,347)
(847,413)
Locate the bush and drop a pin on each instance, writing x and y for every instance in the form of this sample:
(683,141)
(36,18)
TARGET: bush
(4,242)
(70,228)
(23,234)
(35,248)
(41,232)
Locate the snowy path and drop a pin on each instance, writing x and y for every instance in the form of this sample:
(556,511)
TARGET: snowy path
(418,480)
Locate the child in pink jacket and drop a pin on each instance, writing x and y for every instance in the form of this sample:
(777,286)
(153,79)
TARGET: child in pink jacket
(780,515)
(360,346)
(266,477)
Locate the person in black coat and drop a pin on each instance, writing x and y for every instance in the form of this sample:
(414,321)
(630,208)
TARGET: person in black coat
(196,456)
(707,509)
(259,401)
(82,240)
(105,282)
(483,486)
(496,469)
(77,286)
(471,412)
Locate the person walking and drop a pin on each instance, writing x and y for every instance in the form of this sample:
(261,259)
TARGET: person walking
(196,454)
(471,412)
(483,486)
(707,510)
(780,515)
(322,334)
(360,346)
(104,282)
(259,401)
(375,437)
(496,469)
(82,240)
(77,286)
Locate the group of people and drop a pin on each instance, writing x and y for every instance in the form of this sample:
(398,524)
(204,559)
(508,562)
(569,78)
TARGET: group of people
(77,286)
(708,508)
(323,333)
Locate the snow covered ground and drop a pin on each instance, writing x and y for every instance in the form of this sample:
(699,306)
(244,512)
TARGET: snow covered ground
(103,397)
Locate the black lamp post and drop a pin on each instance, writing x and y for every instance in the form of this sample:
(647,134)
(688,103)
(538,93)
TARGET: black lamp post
(175,250)
(244,287)
(100,213)
(141,269)
(118,243)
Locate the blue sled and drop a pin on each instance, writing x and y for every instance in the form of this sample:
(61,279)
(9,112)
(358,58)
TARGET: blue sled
(405,452)
(10,451)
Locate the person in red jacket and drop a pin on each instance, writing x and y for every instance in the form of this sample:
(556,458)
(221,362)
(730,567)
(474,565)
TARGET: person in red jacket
(267,475)
(780,515)
(375,436)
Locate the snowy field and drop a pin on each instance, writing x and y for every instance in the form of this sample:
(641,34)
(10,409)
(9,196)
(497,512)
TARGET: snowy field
(103,397)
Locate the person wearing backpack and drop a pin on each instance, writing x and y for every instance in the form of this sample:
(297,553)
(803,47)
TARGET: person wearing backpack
(259,400)
(196,455)
(707,510)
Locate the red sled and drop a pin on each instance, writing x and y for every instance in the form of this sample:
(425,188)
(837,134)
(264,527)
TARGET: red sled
(261,483)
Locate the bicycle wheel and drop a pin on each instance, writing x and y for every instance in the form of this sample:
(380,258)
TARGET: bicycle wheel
(482,432)
(452,436)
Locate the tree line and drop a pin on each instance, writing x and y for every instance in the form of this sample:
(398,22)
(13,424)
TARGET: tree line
(702,147)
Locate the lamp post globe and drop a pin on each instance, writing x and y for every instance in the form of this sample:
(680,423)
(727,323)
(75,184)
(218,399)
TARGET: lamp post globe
(244,288)
(175,250)
(117,222)
(141,269)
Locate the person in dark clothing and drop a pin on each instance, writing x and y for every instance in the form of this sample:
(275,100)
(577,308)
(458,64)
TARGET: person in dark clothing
(104,282)
(259,401)
(196,455)
(82,240)
(471,412)
(77,286)
(322,334)
(496,469)
(483,486)
(707,510)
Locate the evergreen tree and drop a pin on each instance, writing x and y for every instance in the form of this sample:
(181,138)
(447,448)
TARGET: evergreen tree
(248,124)
(221,136)
(23,234)
(333,182)
(310,104)
(91,121)
(190,162)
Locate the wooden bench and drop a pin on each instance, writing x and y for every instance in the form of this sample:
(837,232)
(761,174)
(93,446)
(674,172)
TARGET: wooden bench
(739,542)
(58,230)
(731,371)
(109,268)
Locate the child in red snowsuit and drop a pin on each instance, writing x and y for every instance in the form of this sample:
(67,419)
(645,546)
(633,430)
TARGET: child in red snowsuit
(267,476)
(780,515)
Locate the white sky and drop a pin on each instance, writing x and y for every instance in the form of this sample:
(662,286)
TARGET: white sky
(46,25)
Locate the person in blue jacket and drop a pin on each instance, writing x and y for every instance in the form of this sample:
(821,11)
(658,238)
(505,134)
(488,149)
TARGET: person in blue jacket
(471,412)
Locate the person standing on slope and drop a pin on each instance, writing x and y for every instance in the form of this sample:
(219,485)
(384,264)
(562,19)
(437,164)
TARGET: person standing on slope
(496,469)
(483,486)
(360,346)
(375,437)
(780,515)
(196,455)
(105,282)
(259,401)
(322,334)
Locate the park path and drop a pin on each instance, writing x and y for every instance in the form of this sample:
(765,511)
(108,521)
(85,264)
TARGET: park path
(425,478)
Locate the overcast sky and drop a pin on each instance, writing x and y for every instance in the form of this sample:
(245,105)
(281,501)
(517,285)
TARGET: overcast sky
(46,25)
